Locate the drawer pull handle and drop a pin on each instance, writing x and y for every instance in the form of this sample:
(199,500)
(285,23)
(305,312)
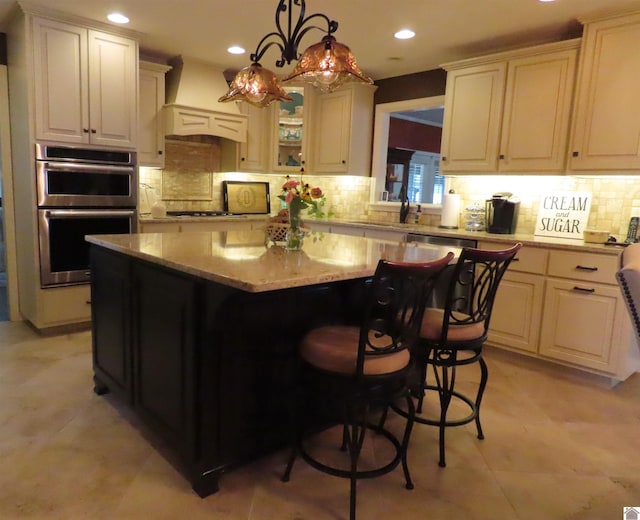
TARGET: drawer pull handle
(582,289)
(583,268)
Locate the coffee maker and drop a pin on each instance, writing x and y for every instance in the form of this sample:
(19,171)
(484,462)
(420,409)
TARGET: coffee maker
(502,213)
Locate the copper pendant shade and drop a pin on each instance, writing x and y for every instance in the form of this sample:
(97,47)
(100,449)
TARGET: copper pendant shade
(255,85)
(326,65)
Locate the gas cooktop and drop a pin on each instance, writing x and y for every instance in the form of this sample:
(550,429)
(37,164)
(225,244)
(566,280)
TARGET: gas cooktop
(199,214)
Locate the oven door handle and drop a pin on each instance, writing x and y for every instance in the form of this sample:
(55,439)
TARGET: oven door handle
(83,213)
(85,168)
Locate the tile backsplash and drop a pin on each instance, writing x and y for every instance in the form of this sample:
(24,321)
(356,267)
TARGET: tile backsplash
(615,199)
(190,182)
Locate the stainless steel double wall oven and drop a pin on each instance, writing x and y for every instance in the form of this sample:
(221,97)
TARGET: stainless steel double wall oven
(81,191)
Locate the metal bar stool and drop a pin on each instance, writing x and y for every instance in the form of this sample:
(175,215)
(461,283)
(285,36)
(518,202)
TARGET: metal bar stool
(356,369)
(453,336)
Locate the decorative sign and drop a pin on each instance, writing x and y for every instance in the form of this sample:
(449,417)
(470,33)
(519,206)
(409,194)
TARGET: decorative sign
(563,214)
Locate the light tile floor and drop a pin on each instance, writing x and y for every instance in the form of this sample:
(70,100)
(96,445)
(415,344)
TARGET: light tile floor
(558,446)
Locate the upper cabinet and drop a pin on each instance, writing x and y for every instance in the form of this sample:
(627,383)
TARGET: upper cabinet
(342,131)
(85,85)
(509,111)
(472,117)
(150,127)
(290,131)
(606,131)
(253,154)
(324,133)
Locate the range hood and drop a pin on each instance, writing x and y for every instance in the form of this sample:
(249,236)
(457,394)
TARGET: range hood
(192,91)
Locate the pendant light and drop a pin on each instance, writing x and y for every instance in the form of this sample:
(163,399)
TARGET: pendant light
(257,86)
(327,64)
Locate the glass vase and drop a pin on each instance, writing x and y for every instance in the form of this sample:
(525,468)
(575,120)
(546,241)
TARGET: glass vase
(295,235)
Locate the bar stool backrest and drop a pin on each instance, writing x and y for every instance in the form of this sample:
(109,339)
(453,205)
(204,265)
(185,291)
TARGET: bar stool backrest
(395,306)
(473,287)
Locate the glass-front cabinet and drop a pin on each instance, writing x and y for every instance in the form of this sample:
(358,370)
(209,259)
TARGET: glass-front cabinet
(291,129)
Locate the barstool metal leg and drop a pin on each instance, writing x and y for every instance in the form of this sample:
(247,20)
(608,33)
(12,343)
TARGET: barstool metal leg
(405,441)
(483,383)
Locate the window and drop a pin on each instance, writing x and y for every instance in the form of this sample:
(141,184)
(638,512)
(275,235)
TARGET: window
(425,184)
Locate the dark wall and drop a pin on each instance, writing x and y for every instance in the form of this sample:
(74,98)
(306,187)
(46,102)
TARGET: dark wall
(414,136)
(411,86)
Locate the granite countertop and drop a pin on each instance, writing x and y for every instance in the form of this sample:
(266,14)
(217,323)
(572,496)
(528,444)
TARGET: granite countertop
(190,218)
(241,259)
(527,239)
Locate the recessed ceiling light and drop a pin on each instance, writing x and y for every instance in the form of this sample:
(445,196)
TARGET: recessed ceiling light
(117,18)
(546,0)
(235,49)
(404,34)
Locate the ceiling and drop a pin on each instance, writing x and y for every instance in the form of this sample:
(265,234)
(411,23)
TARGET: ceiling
(446,30)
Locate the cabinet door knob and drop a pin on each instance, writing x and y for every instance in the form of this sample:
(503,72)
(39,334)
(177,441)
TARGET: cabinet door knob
(344,162)
(575,154)
(444,158)
(85,130)
(501,156)
(93,130)
(159,152)
(242,158)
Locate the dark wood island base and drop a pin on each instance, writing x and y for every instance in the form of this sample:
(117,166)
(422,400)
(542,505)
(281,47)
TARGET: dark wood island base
(198,332)
(206,366)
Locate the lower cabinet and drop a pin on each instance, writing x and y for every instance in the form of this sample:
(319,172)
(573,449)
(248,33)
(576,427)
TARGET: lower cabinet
(583,324)
(359,231)
(517,311)
(205,366)
(62,306)
(163,349)
(563,306)
(211,225)
(111,303)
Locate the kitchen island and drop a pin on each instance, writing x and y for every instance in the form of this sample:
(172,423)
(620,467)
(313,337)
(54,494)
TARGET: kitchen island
(197,332)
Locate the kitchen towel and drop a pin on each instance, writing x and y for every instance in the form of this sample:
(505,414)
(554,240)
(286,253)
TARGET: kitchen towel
(450,211)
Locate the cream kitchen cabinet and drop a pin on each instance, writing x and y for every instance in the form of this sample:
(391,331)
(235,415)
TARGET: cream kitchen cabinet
(585,320)
(85,85)
(159,227)
(290,131)
(472,117)
(563,306)
(356,230)
(211,224)
(517,311)
(342,131)
(509,111)
(150,122)
(582,323)
(324,133)
(253,154)
(606,131)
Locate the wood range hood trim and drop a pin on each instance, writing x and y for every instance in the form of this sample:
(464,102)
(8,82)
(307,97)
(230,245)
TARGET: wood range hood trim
(186,120)
(192,90)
